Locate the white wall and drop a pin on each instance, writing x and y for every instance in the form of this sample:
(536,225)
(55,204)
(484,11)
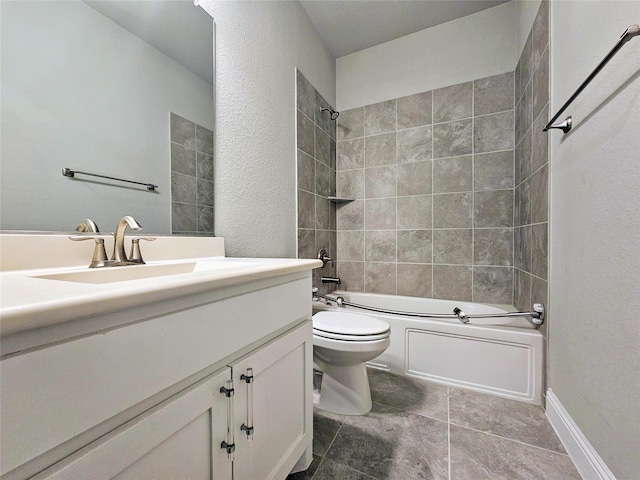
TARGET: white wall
(258,46)
(594,358)
(79,91)
(476,46)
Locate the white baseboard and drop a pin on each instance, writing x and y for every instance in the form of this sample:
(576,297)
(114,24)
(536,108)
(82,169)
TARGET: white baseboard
(584,456)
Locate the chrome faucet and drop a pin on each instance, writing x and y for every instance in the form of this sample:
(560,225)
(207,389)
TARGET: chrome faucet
(119,256)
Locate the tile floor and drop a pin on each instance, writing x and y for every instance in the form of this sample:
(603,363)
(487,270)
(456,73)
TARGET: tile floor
(421,430)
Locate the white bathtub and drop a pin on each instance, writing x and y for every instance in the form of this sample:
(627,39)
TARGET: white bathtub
(503,359)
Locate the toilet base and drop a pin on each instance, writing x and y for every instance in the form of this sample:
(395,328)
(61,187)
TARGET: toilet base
(344,390)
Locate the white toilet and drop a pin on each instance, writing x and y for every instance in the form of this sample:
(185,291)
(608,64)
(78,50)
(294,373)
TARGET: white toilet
(342,342)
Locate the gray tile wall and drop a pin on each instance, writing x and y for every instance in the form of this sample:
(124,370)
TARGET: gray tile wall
(532,165)
(191,178)
(316,158)
(432,176)
(531,219)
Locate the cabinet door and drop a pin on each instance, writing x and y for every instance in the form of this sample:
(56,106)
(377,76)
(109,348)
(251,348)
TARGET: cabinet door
(281,393)
(179,438)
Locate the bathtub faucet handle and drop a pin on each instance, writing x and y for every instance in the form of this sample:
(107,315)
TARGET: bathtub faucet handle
(461,315)
(324,257)
(537,315)
(314,294)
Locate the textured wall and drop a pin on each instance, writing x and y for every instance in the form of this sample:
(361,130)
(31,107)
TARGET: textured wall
(475,46)
(258,47)
(432,178)
(595,261)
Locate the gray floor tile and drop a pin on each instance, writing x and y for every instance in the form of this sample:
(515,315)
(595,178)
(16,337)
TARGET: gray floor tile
(391,444)
(412,395)
(325,428)
(334,471)
(307,474)
(476,455)
(507,418)
(406,436)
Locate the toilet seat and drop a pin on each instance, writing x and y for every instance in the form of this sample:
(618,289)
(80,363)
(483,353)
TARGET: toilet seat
(350,338)
(349,326)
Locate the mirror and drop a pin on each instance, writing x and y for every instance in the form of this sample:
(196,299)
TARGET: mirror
(96,86)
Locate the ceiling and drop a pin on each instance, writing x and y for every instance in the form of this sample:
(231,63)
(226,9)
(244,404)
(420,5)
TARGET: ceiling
(178,29)
(348,26)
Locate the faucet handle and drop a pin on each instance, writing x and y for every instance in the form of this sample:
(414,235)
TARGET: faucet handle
(87,225)
(136,255)
(324,257)
(100,258)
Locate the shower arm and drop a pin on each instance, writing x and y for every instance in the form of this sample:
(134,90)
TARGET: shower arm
(333,114)
(537,313)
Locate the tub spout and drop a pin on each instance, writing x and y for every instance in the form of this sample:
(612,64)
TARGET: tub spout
(334,280)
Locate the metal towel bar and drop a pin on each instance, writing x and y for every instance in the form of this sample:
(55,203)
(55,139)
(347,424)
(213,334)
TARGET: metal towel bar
(537,313)
(565,126)
(67,172)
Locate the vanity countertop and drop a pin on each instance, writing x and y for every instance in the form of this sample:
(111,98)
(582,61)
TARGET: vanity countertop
(36,298)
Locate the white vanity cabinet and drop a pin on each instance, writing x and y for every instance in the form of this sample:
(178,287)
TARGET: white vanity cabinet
(182,438)
(273,394)
(143,399)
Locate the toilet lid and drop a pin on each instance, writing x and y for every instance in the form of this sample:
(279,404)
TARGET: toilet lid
(346,323)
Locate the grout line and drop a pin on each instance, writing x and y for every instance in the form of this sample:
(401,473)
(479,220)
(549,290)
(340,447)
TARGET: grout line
(473,195)
(432,190)
(396,130)
(426,160)
(431,194)
(412,412)
(318,469)
(440,265)
(396,197)
(334,438)
(495,435)
(513,205)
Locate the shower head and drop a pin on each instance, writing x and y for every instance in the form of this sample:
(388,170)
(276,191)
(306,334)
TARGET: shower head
(331,111)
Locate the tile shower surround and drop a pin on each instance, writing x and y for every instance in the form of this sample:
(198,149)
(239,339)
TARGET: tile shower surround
(432,175)
(531,217)
(191,178)
(316,175)
(531,193)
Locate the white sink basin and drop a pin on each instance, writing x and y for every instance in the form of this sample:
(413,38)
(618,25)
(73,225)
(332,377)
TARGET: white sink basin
(138,272)
(121,274)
